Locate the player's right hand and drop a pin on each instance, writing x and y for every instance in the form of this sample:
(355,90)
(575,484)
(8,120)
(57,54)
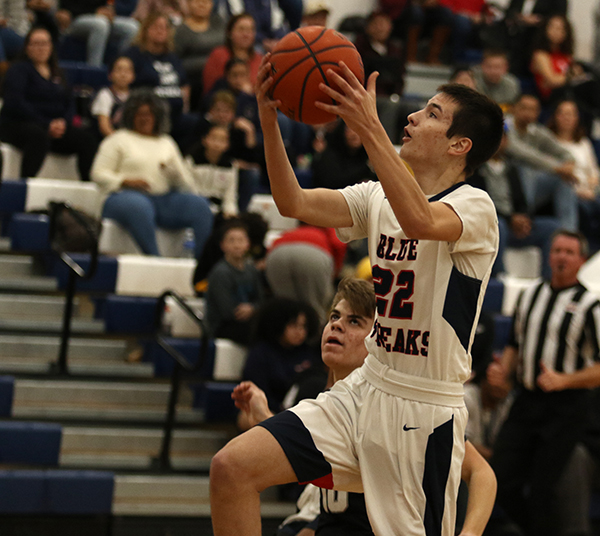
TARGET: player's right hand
(251,399)
(267,107)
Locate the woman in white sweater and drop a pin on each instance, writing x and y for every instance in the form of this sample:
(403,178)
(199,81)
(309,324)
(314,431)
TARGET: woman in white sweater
(566,124)
(145,179)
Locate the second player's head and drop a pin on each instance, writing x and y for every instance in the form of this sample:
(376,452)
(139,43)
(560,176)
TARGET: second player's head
(471,124)
(350,321)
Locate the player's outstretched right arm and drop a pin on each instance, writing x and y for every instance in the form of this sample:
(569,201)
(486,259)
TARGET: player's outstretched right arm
(319,206)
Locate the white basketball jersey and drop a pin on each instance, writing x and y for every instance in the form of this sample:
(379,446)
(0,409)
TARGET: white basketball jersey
(429,293)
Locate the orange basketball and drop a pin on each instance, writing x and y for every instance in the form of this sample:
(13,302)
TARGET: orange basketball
(300,62)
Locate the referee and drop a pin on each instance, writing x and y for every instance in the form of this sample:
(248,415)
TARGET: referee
(554,352)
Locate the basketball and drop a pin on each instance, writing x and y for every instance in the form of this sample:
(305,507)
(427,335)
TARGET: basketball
(300,62)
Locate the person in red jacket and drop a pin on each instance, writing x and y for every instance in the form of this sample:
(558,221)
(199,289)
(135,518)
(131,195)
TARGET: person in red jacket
(303,263)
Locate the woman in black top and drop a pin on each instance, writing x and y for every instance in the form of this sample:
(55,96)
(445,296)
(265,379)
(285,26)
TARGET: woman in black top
(37,110)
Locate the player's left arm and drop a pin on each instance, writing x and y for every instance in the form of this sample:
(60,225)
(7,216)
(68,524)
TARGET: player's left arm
(357,107)
(481,481)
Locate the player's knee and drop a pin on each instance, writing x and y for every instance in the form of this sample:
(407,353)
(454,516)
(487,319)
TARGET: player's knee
(227,470)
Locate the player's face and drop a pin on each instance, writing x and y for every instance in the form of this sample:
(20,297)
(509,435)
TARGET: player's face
(425,137)
(343,340)
(565,258)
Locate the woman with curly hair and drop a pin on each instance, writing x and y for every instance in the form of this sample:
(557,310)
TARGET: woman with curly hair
(142,173)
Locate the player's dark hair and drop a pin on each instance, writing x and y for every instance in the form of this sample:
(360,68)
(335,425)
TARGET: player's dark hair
(478,118)
(584,247)
(275,314)
(359,293)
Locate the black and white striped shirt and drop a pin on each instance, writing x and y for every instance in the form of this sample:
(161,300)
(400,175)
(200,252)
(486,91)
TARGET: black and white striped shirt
(560,328)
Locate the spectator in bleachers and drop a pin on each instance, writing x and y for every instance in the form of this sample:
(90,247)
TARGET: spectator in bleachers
(202,31)
(470,17)
(381,53)
(125,8)
(269,17)
(158,67)
(234,287)
(96,22)
(176,10)
(501,179)
(463,74)
(41,13)
(493,79)
(341,161)
(547,168)
(566,124)
(214,173)
(557,74)
(237,81)
(315,13)
(281,353)
(14,26)
(108,105)
(145,179)
(38,108)
(522,20)
(243,146)
(303,263)
(240,38)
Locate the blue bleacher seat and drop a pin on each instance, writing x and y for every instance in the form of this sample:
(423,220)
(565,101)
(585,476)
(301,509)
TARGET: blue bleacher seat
(7,390)
(104,280)
(56,492)
(29,232)
(502,326)
(215,399)
(30,443)
(190,348)
(494,296)
(12,196)
(129,314)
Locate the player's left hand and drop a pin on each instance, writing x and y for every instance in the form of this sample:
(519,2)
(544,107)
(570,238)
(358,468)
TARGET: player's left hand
(356,105)
(549,380)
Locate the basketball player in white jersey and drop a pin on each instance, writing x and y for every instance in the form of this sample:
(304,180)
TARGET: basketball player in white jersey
(394,428)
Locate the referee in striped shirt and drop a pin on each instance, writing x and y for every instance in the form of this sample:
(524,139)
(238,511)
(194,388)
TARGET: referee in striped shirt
(553,352)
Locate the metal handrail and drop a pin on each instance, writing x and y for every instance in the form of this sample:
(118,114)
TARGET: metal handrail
(181,364)
(75,271)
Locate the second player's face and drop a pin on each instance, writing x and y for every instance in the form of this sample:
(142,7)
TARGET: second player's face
(343,340)
(425,135)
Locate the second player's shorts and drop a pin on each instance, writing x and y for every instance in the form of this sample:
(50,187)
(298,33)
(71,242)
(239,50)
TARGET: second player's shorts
(397,438)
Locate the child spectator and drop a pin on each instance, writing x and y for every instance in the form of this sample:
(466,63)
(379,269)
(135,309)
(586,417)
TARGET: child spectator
(107,107)
(215,176)
(243,146)
(234,288)
(493,79)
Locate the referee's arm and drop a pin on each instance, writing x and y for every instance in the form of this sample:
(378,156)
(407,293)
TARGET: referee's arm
(550,380)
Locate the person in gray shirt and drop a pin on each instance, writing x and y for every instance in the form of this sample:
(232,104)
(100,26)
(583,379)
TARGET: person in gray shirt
(493,79)
(547,168)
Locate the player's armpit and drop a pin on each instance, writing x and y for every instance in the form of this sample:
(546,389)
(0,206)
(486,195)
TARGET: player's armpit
(443,224)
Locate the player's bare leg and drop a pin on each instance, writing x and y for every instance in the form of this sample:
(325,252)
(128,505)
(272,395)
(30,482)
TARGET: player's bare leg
(247,465)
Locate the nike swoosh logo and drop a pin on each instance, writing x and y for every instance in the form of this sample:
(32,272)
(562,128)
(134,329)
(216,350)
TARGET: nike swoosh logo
(407,428)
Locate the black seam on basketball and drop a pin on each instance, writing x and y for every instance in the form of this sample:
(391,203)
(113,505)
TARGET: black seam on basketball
(310,71)
(292,67)
(300,48)
(314,57)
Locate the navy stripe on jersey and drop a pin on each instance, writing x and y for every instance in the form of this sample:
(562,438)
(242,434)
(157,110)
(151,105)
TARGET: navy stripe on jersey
(460,305)
(437,197)
(308,462)
(438,458)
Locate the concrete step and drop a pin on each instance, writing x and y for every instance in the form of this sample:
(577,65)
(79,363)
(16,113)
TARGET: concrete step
(99,401)
(78,325)
(40,347)
(38,307)
(17,265)
(34,283)
(177,496)
(125,448)
(77,367)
